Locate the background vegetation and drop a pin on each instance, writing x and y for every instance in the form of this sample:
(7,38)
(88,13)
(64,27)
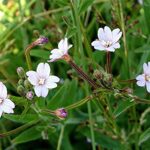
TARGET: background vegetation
(86,127)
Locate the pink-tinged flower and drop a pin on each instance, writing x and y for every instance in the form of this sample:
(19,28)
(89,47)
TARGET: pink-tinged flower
(41,80)
(61,113)
(61,51)
(144,79)
(6,105)
(107,40)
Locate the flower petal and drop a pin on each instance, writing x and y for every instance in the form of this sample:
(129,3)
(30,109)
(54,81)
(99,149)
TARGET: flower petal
(50,82)
(101,34)
(108,33)
(38,91)
(44,91)
(117,37)
(116,45)
(51,85)
(148,86)
(111,49)
(32,77)
(61,44)
(97,45)
(53,78)
(43,69)
(140,77)
(3,91)
(146,69)
(140,80)
(9,103)
(7,109)
(1,112)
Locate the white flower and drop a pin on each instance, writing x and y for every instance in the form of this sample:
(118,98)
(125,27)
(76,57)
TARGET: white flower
(140,2)
(144,79)
(41,80)
(61,51)
(107,39)
(6,105)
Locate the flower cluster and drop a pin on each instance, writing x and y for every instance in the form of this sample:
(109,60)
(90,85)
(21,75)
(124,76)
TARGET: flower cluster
(41,80)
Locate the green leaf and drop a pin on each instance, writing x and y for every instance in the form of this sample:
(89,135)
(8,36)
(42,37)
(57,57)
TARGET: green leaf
(146,7)
(26,136)
(19,100)
(144,136)
(84,5)
(123,106)
(62,98)
(21,119)
(71,32)
(103,140)
(40,53)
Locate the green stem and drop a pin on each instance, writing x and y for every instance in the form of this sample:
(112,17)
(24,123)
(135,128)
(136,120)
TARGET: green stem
(78,104)
(108,65)
(83,74)
(91,125)
(18,129)
(27,55)
(60,137)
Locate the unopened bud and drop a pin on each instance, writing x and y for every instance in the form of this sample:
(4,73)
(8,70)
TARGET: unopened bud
(21,90)
(27,84)
(97,74)
(61,113)
(41,40)
(29,95)
(127,90)
(20,82)
(21,72)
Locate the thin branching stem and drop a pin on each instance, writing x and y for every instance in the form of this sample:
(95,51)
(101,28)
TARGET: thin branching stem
(83,74)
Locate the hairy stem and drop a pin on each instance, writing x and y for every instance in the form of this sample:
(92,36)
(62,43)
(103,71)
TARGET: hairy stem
(83,74)
(27,55)
(108,65)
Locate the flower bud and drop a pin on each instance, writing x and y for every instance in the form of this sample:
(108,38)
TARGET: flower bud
(41,40)
(20,82)
(21,90)
(61,113)
(97,74)
(21,72)
(27,84)
(30,95)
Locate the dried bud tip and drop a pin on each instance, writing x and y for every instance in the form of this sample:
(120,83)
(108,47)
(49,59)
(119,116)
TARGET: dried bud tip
(30,95)
(21,72)
(61,113)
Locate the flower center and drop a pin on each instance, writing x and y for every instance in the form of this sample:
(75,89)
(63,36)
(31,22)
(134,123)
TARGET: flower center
(147,77)
(1,100)
(106,43)
(41,81)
